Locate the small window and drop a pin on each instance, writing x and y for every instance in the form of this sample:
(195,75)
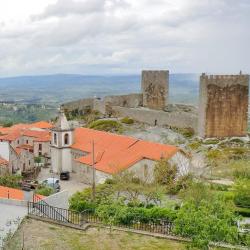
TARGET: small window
(29,163)
(55,138)
(27,141)
(40,147)
(39,153)
(66,139)
(18,142)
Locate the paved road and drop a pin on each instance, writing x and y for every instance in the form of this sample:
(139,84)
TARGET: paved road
(71,186)
(10,217)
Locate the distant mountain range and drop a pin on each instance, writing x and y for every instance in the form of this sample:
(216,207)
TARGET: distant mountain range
(56,89)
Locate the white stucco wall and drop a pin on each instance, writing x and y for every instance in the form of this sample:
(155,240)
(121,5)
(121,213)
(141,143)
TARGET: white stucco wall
(56,160)
(182,162)
(144,170)
(85,174)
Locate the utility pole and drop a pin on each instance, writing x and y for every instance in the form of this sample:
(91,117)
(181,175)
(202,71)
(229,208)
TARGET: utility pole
(93,170)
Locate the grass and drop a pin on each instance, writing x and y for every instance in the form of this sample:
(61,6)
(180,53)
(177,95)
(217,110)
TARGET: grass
(107,125)
(41,235)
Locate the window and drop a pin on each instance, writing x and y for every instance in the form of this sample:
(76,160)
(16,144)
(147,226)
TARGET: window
(18,142)
(40,153)
(29,163)
(27,141)
(23,166)
(40,146)
(66,139)
(55,138)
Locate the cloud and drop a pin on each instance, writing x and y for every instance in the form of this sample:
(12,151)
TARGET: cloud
(124,36)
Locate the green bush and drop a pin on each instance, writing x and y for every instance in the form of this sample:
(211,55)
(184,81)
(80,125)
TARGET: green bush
(127,120)
(128,215)
(211,141)
(194,145)
(45,191)
(242,192)
(7,124)
(106,125)
(243,211)
(219,187)
(210,220)
(186,132)
(81,201)
(12,181)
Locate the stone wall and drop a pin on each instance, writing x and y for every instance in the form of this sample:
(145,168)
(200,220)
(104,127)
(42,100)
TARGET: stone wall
(82,105)
(154,85)
(223,105)
(158,117)
(104,105)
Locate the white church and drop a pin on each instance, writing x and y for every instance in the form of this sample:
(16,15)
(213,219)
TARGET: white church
(72,150)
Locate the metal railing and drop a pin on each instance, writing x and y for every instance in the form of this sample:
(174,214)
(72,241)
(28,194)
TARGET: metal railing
(44,210)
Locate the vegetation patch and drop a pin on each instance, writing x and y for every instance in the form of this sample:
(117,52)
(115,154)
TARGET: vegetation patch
(12,181)
(186,132)
(127,120)
(107,125)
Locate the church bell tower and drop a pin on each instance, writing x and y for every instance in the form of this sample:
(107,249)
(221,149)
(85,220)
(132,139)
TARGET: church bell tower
(61,140)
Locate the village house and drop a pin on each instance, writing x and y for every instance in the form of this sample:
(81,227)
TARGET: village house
(21,144)
(72,150)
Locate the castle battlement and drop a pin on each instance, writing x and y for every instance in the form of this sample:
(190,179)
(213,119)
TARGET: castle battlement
(226,77)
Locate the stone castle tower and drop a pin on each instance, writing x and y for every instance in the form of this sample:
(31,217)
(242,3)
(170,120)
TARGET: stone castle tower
(154,85)
(62,139)
(223,105)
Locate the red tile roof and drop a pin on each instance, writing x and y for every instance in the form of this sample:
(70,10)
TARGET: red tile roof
(14,134)
(114,153)
(3,161)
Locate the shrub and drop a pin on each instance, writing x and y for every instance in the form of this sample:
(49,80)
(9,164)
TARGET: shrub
(242,192)
(7,124)
(81,201)
(165,173)
(45,191)
(186,132)
(127,120)
(128,215)
(194,145)
(212,220)
(12,181)
(211,141)
(106,125)
(38,159)
(219,187)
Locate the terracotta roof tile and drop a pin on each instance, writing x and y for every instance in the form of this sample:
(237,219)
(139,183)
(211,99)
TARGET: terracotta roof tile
(114,153)
(3,161)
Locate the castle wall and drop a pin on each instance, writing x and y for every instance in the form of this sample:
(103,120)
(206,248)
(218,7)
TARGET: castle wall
(153,117)
(154,85)
(223,105)
(79,104)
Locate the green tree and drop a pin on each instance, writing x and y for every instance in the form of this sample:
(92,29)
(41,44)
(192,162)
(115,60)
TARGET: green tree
(165,173)
(242,192)
(210,221)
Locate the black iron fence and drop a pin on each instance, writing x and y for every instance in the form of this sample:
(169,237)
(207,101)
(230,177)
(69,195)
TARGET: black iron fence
(43,210)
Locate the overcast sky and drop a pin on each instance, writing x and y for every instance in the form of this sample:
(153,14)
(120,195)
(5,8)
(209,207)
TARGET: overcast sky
(123,36)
